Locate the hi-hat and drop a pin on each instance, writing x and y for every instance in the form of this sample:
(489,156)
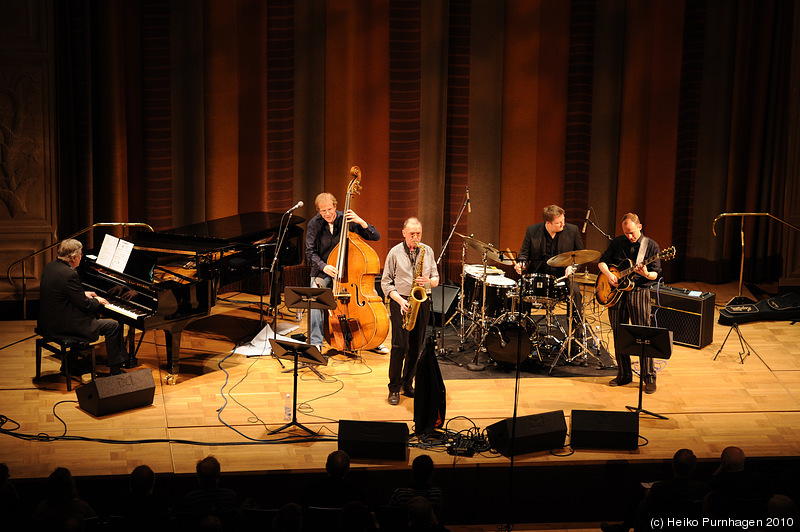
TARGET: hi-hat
(585,278)
(569,258)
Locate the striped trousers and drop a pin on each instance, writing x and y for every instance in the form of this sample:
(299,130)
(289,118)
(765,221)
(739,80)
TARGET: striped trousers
(633,307)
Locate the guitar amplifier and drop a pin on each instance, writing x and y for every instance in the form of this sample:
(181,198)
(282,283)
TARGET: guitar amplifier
(688,314)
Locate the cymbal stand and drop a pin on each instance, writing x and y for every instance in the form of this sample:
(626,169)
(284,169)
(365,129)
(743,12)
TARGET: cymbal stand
(571,335)
(475,365)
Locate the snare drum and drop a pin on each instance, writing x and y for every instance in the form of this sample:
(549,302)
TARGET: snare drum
(498,289)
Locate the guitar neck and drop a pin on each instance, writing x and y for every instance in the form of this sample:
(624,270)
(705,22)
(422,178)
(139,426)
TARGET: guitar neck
(630,270)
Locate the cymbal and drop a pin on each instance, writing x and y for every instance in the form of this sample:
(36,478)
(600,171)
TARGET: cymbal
(585,278)
(477,245)
(577,258)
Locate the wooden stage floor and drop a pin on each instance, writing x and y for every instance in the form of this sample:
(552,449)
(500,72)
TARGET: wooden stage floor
(227,403)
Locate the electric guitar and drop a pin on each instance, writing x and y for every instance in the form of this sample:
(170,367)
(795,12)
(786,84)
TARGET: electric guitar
(608,295)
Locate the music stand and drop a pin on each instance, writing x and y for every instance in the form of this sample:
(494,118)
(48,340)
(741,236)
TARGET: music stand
(307,354)
(647,342)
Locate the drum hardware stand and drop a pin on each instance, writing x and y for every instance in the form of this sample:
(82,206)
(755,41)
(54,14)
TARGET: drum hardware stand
(440,348)
(584,350)
(475,365)
(746,347)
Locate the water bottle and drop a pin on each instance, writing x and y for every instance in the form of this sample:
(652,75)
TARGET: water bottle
(287,408)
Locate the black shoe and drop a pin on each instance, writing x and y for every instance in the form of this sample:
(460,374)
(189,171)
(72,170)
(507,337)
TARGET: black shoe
(650,386)
(132,362)
(394,398)
(116,369)
(408,392)
(620,380)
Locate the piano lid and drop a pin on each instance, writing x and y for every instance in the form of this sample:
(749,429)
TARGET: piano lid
(210,235)
(243,228)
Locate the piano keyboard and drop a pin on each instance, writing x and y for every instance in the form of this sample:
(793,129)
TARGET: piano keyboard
(125,312)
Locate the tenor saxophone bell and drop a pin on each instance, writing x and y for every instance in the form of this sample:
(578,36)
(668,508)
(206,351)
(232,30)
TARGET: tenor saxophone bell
(417,297)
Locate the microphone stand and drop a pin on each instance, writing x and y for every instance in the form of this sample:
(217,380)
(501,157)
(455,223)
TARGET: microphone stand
(443,350)
(273,278)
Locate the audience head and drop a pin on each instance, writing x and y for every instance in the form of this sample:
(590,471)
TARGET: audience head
(143,480)
(782,506)
(338,464)
(732,460)
(288,519)
(208,470)
(355,517)
(683,463)
(420,512)
(210,523)
(60,487)
(422,467)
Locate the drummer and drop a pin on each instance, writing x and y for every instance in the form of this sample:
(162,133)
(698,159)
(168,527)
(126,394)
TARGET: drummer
(545,240)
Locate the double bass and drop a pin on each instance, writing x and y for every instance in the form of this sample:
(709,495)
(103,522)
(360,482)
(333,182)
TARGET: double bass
(360,319)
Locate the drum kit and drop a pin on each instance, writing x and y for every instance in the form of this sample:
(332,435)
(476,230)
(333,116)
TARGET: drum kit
(514,321)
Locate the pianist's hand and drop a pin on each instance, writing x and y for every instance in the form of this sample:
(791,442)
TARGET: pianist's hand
(103,301)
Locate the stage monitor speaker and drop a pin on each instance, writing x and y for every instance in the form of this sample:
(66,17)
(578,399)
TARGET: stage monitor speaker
(374,439)
(450,302)
(689,315)
(536,432)
(598,429)
(117,392)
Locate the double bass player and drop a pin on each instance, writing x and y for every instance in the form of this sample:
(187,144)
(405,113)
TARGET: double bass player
(322,235)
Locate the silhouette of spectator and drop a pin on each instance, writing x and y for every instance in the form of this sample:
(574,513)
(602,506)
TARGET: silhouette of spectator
(209,499)
(735,492)
(143,509)
(61,508)
(288,519)
(681,496)
(422,470)
(421,517)
(356,517)
(336,489)
(9,498)
(784,512)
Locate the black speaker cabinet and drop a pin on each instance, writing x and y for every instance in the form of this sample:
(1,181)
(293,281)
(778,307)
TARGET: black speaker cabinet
(598,429)
(117,392)
(689,315)
(537,432)
(450,301)
(374,439)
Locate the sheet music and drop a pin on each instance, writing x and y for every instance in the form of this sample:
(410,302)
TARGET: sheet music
(114,253)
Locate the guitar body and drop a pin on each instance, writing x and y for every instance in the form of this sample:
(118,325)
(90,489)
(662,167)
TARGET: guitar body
(608,295)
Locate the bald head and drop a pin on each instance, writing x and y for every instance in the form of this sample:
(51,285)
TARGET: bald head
(732,459)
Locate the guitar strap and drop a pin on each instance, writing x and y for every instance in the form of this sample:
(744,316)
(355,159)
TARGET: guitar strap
(642,249)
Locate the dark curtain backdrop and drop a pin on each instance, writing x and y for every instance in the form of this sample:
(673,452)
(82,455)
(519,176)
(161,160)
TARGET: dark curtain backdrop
(172,112)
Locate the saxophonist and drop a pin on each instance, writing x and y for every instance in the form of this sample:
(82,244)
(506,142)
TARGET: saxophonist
(409,264)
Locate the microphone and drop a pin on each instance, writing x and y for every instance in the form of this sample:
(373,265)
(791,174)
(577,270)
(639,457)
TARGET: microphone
(469,205)
(296,206)
(588,212)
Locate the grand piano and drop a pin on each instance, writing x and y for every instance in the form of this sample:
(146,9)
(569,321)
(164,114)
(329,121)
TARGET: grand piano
(172,277)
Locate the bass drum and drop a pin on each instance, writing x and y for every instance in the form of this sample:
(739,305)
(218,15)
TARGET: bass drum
(510,343)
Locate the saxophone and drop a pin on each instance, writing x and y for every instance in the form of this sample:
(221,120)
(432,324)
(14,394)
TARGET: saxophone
(417,296)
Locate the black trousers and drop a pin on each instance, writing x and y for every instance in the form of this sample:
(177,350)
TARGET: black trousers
(406,346)
(115,341)
(633,306)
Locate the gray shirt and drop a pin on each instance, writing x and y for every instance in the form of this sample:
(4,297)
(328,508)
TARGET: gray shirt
(398,271)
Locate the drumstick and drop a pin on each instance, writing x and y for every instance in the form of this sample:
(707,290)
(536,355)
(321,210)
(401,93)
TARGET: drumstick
(508,250)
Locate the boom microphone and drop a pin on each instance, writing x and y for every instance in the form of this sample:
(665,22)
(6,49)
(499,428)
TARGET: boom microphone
(588,212)
(296,206)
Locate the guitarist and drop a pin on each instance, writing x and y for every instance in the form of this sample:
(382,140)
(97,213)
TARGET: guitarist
(633,305)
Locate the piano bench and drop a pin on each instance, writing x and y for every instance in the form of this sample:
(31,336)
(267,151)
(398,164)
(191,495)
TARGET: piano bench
(64,347)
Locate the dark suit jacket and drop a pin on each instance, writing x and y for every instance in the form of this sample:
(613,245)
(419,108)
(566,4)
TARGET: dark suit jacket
(532,248)
(64,310)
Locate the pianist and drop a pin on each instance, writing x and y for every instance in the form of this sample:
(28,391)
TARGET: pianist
(67,311)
